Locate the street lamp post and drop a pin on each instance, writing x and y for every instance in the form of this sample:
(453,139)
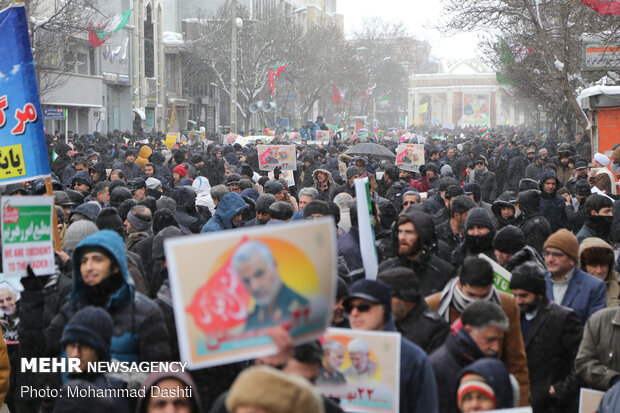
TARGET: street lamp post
(233,69)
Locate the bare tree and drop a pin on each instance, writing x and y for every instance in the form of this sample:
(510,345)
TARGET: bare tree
(55,28)
(553,30)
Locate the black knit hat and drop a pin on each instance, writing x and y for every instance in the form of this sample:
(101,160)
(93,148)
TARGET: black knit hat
(402,282)
(352,171)
(509,240)
(273,187)
(108,218)
(93,327)
(582,188)
(479,217)
(528,277)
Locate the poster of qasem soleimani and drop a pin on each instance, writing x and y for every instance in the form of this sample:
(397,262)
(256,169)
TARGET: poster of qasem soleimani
(362,369)
(230,288)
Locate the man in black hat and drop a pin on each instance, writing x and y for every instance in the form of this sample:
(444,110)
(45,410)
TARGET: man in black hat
(581,174)
(511,250)
(485,178)
(552,334)
(232,182)
(451,231)
(137,186)
(576,207)
(349,186)
(478,238)
(443,214)
(414,319)
(274,188)
(369,308)
(534,169)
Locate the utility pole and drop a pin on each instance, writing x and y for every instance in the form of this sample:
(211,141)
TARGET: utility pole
(233,69)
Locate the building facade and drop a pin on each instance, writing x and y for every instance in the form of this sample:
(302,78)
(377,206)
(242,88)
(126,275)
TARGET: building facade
(464,93)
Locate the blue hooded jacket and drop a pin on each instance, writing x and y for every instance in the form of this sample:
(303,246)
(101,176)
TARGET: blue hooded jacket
(231,204)
(139,330)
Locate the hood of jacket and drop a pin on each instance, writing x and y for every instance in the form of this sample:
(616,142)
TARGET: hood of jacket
(326,172)
(595,242)
(111,242)
(157,158)
(201,186)
(145,152)
(185,199)
(529,202)
(183,377)
(513,152)
(425,228)
(83,175)
(546,174)
(231,204)
(496,375)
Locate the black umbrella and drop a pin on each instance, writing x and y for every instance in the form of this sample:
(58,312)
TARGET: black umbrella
(371,150)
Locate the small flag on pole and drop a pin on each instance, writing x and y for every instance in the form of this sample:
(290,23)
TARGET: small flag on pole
(484,132)
(103,31)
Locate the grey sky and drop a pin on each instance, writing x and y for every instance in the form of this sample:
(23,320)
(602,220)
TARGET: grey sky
(415,14)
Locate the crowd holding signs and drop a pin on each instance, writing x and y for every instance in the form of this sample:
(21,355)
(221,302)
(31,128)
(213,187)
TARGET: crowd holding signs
(308,272)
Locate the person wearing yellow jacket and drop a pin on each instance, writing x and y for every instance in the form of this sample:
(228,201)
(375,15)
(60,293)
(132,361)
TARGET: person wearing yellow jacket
(143,156)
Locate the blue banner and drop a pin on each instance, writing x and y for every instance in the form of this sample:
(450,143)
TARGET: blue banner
(23,151)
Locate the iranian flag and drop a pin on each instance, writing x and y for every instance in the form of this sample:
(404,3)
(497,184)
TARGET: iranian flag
(384,101)
(484,133)
(603,6)
(103,31)
(368,91)
(337,94)
(273,73)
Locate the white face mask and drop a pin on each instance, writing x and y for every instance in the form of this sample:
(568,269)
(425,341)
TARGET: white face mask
(93,162)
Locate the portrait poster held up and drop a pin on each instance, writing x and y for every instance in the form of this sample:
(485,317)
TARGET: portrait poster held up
(230,288)
(23,151)
(410,157)
(272,156)
(362,369)
(27,237)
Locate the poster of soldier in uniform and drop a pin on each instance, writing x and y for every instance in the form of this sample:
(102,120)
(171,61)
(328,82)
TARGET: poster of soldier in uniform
(361,368)
(230,288)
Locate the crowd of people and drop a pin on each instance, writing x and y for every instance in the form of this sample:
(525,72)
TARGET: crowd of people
(546,210)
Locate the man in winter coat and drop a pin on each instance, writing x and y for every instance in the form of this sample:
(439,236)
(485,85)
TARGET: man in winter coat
(476,283)
(131,169)
(309,165)
(186,214)
(511,250)
(418,391)
(479,232)
(596,257)
(413,318)
(599,218)
(485,178)
(516,169)
(414,236)
(567,285)
(229,213)
(535,227)
(551,204)
(552,334)
(597,361)
(324,184)
(478,334)
(101,278)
